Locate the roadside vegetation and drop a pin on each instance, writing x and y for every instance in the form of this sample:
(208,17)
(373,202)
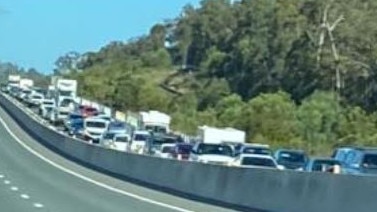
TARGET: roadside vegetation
(291,73)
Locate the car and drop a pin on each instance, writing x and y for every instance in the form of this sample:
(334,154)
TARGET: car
(254,148)
(139,140)
(75,128)
(34,99)
(181,151)
(341,153)
(291,159)
(361,161)
(87,111)
(157,140)
(94,128)
(213,153)
(23,93)
(256,161)
(71,118)
(321,164)
(46,106)
(117,141)
(119,127)
(165,150)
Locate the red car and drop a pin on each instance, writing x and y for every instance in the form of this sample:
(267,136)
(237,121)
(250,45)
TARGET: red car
(87,111)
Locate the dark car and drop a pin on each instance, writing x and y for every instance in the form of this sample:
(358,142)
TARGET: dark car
(182,151)
(291,159)
(75,127)
(321,164)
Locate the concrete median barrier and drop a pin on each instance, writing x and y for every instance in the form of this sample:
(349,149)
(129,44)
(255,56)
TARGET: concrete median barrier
(243,189)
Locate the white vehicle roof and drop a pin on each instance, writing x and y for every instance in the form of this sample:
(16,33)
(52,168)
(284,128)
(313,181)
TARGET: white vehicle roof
(256,156)
(257,145)
(95,119)
(142,132)
(167,145)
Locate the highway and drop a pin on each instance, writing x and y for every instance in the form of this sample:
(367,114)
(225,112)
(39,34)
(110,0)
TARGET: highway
(33,178)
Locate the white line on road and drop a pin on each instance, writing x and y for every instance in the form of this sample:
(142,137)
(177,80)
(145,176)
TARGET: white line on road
(38,205)
(6,182)
(1,176)
(25,196)
(14,188)
(87,179)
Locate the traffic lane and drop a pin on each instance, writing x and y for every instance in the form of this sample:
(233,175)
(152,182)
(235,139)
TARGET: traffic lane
(57,190)
(14,201)
(109,180)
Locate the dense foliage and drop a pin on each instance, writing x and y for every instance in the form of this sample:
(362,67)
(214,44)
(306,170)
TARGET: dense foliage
(292,73)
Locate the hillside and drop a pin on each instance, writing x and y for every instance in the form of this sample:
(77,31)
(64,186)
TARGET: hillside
(291,73)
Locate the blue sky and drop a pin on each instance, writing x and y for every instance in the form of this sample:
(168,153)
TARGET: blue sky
(34,33)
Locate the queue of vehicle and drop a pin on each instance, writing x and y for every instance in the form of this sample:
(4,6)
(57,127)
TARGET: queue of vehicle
(219,146)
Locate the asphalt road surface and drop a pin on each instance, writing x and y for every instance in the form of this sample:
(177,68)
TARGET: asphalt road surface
(33,178)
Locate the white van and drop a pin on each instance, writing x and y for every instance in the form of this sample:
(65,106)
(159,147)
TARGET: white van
(94,128)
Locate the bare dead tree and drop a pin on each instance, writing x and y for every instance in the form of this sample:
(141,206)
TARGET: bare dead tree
(327,29)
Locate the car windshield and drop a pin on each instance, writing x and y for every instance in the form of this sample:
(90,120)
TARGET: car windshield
(156,129)
(75,116)
(66,102)
(36,97)
(141,137)
(321,165)
(109,136)
(215,149)
(95,124)
(121,139)
(370,161)
(164,140)
(48,103)
(257,150)
(254,161)
(291,157)
(167,149)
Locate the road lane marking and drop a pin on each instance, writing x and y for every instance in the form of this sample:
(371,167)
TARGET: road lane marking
(38,205)
(1,176)
(14,188)
(6,182)
(87,179)
(25,196)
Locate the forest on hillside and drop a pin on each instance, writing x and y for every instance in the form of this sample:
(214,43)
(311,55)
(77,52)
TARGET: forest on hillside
(291,73)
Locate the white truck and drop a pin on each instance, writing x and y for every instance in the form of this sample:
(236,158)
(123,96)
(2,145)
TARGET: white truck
(26,83)
(155,121)
(13,82)
(215,135)
(64,95)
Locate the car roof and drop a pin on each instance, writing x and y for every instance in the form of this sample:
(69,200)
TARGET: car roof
(142,132)
(96,119)
(291,150)
(322,158)
(256,145)
(256,156)
(168,144)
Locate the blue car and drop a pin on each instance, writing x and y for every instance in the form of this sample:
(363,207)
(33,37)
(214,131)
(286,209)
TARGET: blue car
(75,127)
